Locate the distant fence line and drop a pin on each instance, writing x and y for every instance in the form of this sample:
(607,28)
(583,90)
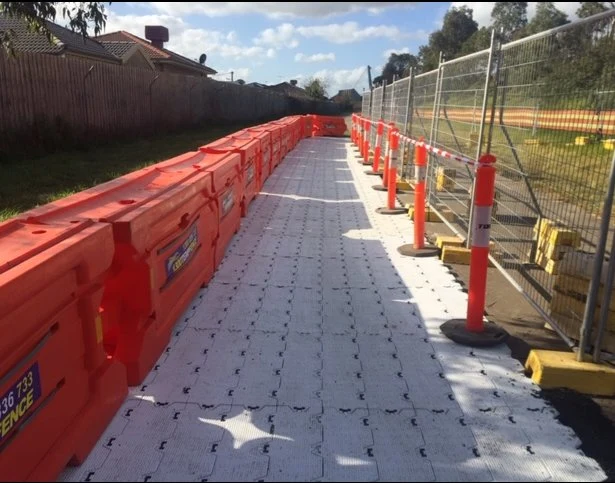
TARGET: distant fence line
(50,100)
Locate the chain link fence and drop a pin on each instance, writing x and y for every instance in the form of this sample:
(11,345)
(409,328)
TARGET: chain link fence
(545,107)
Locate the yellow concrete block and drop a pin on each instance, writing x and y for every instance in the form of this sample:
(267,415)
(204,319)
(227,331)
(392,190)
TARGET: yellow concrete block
(581,140)
(564,236)
(544,228)
(404,185)
(445,179)
(430,215)
(550,266)
(553,369)
(609,144)
(452,241)
(554,252)
(457,255)
(579,287)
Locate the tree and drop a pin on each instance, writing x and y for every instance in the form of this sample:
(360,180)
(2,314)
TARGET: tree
(316,88)
(509,18)
(241,82)
(457,27)
(547,16)
(587,9)
(398,66)
(480,40)
(80,15)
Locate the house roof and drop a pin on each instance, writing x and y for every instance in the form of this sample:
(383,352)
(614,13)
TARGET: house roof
(118,48)
(63,40)
(154,53)
(289,90)
(352,93)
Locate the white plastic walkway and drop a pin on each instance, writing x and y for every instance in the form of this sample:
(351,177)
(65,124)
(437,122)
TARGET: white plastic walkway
(315,355)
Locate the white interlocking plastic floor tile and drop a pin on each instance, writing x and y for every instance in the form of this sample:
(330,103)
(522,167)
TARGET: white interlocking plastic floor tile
(315,354)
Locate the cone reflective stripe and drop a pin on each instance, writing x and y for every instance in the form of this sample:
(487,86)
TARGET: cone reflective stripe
(378,148)
(352,127)
(366,142)
(481,228)
(387,157)
(420,161)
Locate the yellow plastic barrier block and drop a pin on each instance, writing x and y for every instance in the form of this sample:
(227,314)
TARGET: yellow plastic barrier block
(581,140)
(430,215)
(609,144)
(456,255)
(564,236)
(553,369)
(452,241)
(550,266)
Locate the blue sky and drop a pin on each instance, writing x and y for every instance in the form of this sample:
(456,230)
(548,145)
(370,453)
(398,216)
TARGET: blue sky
(271,42)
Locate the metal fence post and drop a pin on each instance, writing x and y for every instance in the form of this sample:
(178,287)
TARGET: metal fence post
(434,127)
(594,286)
(481,132)
(409,104)
(384,96)
(606,303)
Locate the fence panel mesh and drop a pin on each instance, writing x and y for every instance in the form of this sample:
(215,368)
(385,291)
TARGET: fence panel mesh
(550,121)
(457,128)
(554,114)
(365,105)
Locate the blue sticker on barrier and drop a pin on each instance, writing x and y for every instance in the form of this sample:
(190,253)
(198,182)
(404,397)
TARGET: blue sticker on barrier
(17,401)
(183,254)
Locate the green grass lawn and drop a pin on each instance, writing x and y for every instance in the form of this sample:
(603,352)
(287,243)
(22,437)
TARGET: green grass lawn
(26,183)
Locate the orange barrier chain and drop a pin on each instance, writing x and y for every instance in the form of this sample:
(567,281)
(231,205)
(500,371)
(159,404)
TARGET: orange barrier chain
(58,388)
(249,149)
(264,137)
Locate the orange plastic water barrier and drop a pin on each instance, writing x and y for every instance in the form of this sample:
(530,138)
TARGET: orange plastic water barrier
(58,388)
(158,261)
(329,126)
(276,143)
(263,136)
(285,137)
(249,149)
(308,125)
(164,253)
(228,192)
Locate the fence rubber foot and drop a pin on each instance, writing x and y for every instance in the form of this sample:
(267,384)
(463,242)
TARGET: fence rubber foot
(491,336)
(366,163)
(391,211)
(410,251)
(370,172)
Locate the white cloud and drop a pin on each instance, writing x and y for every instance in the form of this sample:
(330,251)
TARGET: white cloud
(388,52)
(238,73)
(187,41)
(275,9)
(281,36)
(330,57)
(343,79)
(349,32)
(271,53)
(482,10)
